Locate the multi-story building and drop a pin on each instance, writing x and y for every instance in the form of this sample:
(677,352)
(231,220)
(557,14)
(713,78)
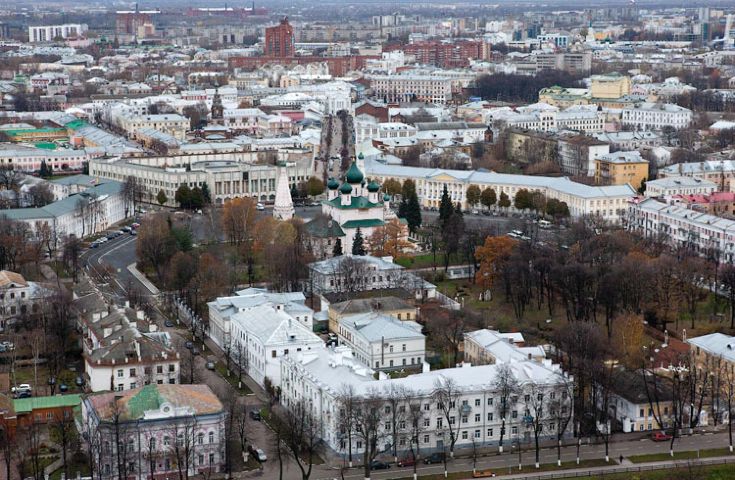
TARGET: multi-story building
(630,403)
(317,383)
(259,328)
(25,159)
(579,63)
(157,431)
(577,154)
(713,348)
(720,172)
(171,123)
(392,306)
(366,130)
(681,227)
(279,40)
(546,118)
(49,33)
(444,54)
(383,342)
(18,296)
(655,116)
(608,202)
(228,175)
(123,351)
(621,168)
(630,140)
(412,87)
(487,347)
(669,186)
(609,86)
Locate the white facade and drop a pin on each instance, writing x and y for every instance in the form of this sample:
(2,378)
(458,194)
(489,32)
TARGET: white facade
(406,88)
(172,124)
(683,227)
(473,415)
(47,33)
(365,130)
(608,202)
(29,159)
(669,186)
(483,347)
(543,117)
(655,116)
(18,296)
(383,342)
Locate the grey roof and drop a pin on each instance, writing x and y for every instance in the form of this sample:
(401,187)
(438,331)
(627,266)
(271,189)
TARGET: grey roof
(717,344)
(332,265)
(374,327)
(63,206)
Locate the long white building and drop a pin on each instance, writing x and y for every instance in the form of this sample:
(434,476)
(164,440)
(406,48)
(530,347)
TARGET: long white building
(48,33)
(407,88)
(473,415)
(655,116)
(608,202)
(679,226)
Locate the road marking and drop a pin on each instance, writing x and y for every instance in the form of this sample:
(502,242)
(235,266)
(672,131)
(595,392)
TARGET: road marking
(119,245)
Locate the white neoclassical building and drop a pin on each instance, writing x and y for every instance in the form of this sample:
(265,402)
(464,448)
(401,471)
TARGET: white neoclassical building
(655,116)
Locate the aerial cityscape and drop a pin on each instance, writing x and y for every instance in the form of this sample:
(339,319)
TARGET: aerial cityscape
(367,240)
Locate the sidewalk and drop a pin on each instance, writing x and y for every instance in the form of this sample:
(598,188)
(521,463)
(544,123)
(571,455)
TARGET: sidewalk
(132,268)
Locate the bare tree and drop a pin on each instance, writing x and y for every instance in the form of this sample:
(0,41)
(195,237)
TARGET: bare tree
(9,449)
(728,391)
(368,421)
(302,437)
(348,404)
(415,422)
(64,433)
(561,410)
(183,433)
(446,394)
(396,411)
(508,388)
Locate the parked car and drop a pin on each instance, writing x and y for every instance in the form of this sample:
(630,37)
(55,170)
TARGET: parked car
(660,436)
(23,387)
(189,344)
(168,323)
(125,229)
(133,232)
(79,381)
(135,225)
(378,465)
(26,394)
(8,345)
(436,457)
(314,204)
(255,415)
(259,206)
(94,245)
(406,462)
(63,388)
(209,365)
(258,453)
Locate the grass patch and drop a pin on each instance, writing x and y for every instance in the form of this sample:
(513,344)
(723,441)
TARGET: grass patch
(426,260)
(528,469)
(232,379)
(687,455)
(78,463)
(715,472)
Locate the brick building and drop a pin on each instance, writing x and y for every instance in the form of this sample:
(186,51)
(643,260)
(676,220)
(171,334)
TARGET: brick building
(279,40)
(445,55)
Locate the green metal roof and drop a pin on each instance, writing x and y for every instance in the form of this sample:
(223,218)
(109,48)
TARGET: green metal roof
(355,202)
(20,131)
(27,405)
(46,145)
(147,399)
(372,222)
(74,124)
(323,227)
(354,175)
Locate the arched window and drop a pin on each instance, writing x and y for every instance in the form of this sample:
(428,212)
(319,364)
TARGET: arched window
(211,437)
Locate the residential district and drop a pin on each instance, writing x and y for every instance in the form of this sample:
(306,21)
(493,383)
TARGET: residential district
(366,240)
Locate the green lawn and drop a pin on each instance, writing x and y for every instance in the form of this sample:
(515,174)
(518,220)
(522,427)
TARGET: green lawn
(716,472)
(426,260)
(529,469)
(690,454)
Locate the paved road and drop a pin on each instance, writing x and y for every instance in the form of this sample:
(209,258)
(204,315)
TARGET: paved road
(117,253)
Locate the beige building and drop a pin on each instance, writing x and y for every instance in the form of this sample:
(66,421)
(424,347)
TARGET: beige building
(612,85)
(392,306)
(620,168)
(407,88)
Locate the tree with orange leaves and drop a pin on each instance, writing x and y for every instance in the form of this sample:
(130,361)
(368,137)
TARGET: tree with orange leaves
(389,239)
(491,255)
(238,219)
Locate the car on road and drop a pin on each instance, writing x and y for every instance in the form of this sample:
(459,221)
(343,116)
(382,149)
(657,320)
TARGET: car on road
(255,415)
(258,453)
(110,236)
(135,225)
(189,344)
(332,339)
(436,457)
(23,387)
(168,323)
(314,204)
(8,345)
(125,229)
(259,206)
(133,232)
(94,244)
(475,212)
(102,240)
(63,388)
(209,365)
(660,436)
(378,465)
(406,462)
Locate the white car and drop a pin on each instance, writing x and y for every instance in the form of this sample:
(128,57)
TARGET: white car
(23,387)
(259,206)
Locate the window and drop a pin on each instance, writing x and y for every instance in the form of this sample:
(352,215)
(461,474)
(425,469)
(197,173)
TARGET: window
(159,368)
(451,420)
(527,398)
(133,385)
(273,354)
(171,367)
(490,401)
(426,439)
(477,434)
(439,422)
(514,430)
(132,372)
(464,434)
(211,437)
(514,414)
(211,458)
(120,387)
(489,432)
(477,417)
(427,422)
(477,402)
(120,373)
(200,439)
(426,407)
(166,441)
(490,417)
(201,459)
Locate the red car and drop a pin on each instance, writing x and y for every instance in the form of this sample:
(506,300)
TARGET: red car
(660,437)
(406,462)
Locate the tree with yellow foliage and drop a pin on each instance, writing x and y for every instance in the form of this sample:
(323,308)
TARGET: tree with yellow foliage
(495,251)
(389,239)
(238,219)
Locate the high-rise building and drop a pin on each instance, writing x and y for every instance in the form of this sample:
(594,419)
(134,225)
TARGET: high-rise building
(279,40)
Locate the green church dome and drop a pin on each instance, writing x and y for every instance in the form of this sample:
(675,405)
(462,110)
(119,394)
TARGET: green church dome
(354,175)
(373,187)
(386,198)
(332,184)
(346,188)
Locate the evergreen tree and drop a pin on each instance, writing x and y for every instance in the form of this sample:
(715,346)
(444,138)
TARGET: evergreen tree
(43,171)
(445,208)
(358,244)
(337,250)
(161,197)
(196,200)
(294,192)
(413,213)
(206,196)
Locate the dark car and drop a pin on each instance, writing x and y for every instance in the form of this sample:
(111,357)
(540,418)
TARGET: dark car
(255,415)
(79,381)
(63,388)
(24,394)
(378,465)
(436,457)
(406,462)
(189,344)
(168,323)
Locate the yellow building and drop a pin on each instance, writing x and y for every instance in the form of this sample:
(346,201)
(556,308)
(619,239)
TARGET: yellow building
(391,306)
(620,168)
(611,85)
(564,97)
